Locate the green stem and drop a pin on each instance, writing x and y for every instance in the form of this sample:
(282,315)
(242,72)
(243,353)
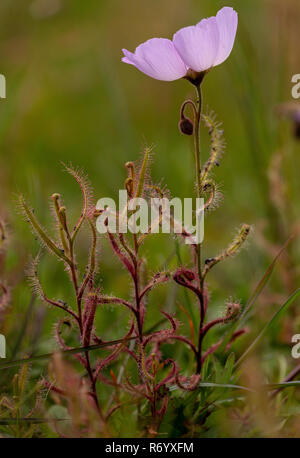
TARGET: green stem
(199,195)
(198,165)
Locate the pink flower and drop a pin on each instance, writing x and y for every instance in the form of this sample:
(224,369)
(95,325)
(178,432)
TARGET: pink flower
(193,49)
(157,58)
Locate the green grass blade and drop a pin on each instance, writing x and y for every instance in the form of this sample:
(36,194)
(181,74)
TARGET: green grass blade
(252,299)
(274,386)
(18,362)
(13,421)
(259,288)
(217,385)
(290,300)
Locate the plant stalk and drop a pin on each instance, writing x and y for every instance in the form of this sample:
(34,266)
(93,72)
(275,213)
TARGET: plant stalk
(197,153)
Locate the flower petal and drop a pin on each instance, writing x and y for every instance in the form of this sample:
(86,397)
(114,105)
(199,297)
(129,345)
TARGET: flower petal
(198,45)
(227,20)
(157,58)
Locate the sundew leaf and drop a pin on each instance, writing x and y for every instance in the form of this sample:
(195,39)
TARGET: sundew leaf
(39,231)
(290,300)
(252,299)
(142,175)
(87,195)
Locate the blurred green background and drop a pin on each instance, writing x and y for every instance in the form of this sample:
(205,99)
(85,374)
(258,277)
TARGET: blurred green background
(70,99)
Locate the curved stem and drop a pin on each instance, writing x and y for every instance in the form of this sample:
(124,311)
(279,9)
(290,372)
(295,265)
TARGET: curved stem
(197,140)
(185,104)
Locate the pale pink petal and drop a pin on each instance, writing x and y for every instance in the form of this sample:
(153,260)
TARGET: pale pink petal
(198,45)
(157,58)
(227,20)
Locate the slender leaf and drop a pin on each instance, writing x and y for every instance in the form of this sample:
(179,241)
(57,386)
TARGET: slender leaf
(291,299)
(217,385)
(18,362)
(274,386)
(228,369)
(252,299)
(12,421)
(73,351)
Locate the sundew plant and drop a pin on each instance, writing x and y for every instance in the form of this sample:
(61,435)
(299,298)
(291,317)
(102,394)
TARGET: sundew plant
(157,358)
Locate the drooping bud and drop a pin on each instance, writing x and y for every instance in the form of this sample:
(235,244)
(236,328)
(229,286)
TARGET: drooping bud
(186,126)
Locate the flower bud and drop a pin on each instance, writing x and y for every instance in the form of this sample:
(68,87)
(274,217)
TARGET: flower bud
(233,310)
(184,276)
(186,126)
(189,274)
